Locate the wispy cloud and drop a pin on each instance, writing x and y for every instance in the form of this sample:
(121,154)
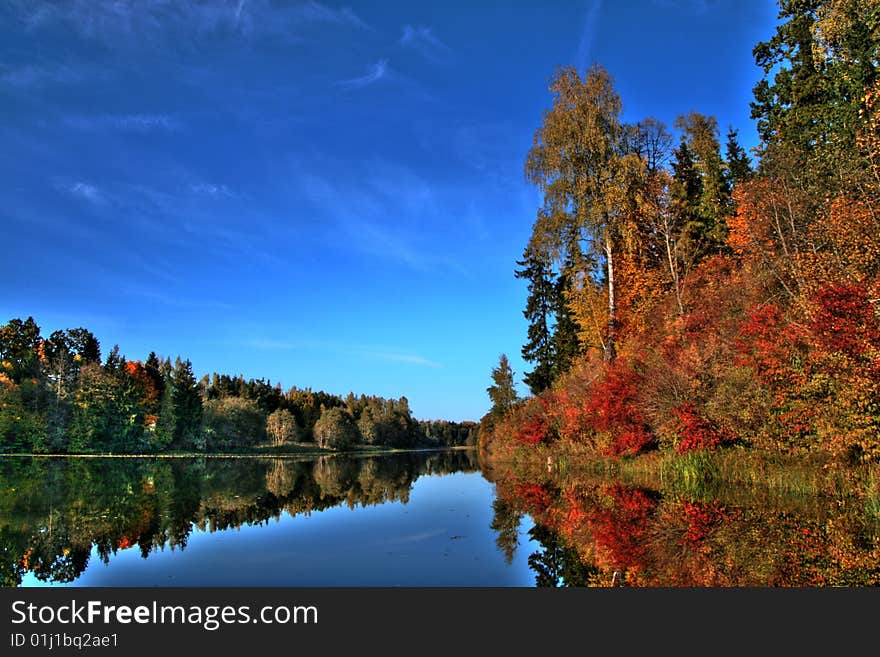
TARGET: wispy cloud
(360,207)
(588,33)
(212,191)
(145,122)
(85,191)
(374,73)
(316,12)
(408,359)
(110,19)
(423,40)
(125,122)
(373,353)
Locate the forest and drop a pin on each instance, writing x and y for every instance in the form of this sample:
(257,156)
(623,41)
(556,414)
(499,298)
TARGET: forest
(57,396)
(687,298)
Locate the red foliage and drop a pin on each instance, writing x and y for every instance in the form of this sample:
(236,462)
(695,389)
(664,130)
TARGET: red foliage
(770,345)
(535,498)
(532,431)
(139,373)
(612,409)
(700,518)
(621,529)
(844,320)
(696,432)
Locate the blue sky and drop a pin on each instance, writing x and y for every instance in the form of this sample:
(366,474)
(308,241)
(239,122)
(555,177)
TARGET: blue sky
(326,195)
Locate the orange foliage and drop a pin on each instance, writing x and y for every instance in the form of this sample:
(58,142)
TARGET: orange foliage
(137,371)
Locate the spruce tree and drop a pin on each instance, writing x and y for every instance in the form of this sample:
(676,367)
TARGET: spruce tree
(539,310)
(739,167)
(187,402)
(502,392)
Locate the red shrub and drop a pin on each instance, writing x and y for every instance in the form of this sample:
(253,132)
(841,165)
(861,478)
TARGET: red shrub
(696,432)
(771,346)
(844,320)
(532,431)
(612,410)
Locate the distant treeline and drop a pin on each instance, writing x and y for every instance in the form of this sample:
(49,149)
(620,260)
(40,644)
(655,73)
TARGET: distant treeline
(58,396)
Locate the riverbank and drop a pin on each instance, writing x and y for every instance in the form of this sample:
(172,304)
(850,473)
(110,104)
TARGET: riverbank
(290,452)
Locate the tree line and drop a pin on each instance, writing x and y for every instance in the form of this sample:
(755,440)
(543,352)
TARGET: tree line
(57,395)
(682,295)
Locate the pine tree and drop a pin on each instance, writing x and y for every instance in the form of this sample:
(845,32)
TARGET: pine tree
(713,202)
(739,167)
(502,393)
(565,343)
(187,406)
(539,310)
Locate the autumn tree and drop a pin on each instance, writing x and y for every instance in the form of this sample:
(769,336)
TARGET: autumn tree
(580,164)
(281,427)
(232,423)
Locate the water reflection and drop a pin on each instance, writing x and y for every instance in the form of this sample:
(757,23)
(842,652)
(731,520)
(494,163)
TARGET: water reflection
(597,532)
(412,519)
(59,515)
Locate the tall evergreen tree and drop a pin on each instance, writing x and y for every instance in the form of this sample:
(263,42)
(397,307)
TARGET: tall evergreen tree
(187,402)
(739,167)
(540,309)
(713,202)
(565,343)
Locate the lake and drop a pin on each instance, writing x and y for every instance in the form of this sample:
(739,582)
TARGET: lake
(409,519)
(430,518)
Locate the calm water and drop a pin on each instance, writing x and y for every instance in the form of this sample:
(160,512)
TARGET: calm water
(418,519)
(414,519)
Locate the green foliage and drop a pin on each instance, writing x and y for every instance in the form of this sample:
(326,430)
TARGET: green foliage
(336,429)
(233,423)
(107,416)
(502,393)
(21,429)
(19,346)
(187,403)
(541,305)
(739,166)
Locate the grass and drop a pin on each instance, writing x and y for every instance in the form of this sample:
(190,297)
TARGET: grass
(726,473)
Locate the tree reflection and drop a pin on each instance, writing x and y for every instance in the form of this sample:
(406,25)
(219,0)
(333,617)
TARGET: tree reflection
(54,511)
(596,532)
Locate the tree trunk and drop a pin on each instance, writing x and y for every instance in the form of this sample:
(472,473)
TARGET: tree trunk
(610,351)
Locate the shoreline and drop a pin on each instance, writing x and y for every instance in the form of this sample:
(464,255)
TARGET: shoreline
(249,455)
